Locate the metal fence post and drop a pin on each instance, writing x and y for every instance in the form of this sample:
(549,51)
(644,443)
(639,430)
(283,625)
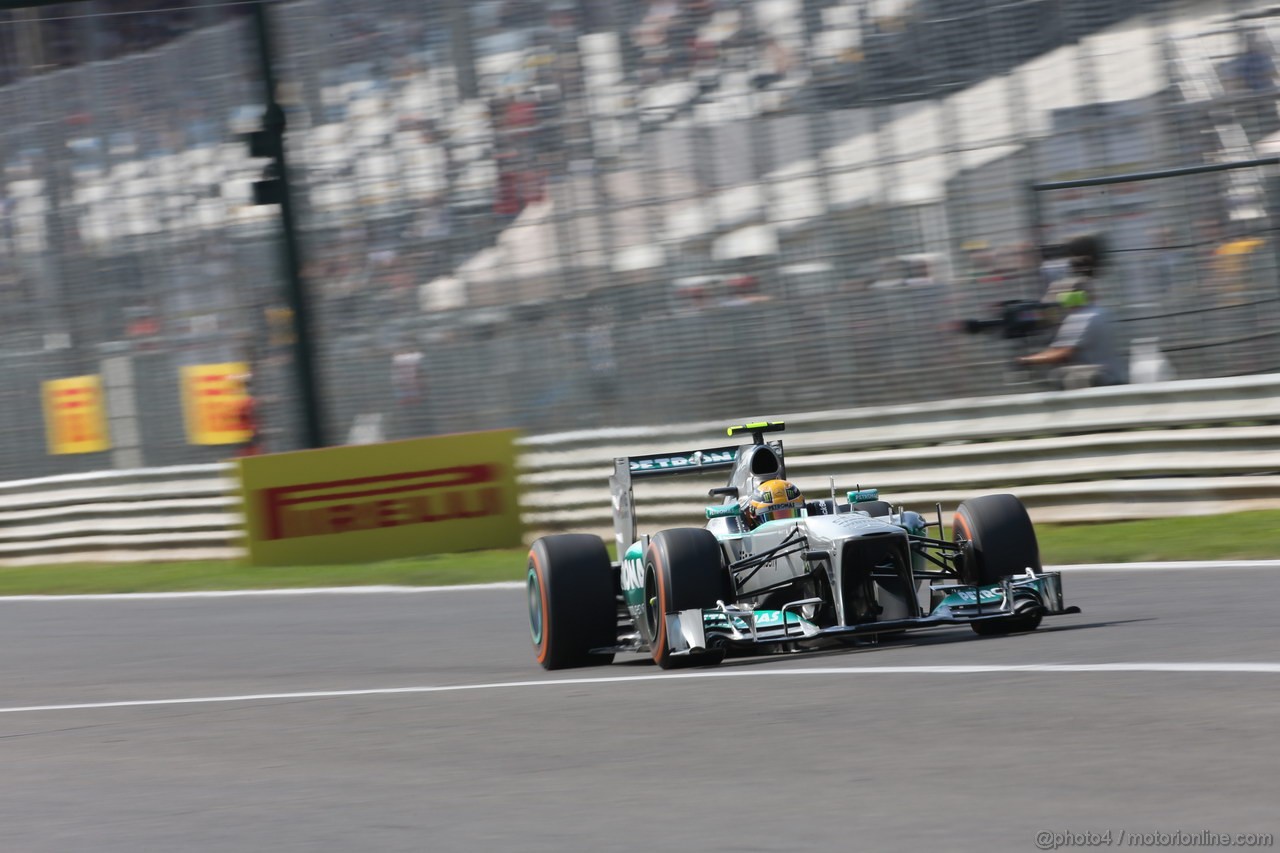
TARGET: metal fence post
(295,289)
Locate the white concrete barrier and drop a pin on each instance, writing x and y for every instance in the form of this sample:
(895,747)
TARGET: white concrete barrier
(175,513)
(1176,448)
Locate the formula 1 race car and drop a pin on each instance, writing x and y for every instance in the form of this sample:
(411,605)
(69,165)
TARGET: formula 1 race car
(834,571)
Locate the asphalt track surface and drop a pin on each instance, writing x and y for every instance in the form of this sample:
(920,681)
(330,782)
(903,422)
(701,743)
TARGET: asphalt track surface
(755,757)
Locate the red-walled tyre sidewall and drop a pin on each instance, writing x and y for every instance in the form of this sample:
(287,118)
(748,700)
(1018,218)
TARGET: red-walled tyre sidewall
(687,570)
(572,601)
(1001,536)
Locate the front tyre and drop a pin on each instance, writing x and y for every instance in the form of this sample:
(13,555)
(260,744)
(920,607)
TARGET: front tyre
(572,604)
(683,570)
(1002,541)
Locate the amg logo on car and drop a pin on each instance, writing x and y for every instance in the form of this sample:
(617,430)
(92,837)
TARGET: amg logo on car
(693,460)
(390,500)
(633,574)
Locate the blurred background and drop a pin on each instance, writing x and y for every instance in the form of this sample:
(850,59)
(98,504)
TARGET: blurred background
(560,214)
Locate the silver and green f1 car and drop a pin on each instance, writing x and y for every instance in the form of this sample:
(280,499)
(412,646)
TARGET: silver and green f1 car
(839,570)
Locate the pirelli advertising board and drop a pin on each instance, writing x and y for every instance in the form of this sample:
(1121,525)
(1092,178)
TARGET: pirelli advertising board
(213,397)
(75,415)
(370,502)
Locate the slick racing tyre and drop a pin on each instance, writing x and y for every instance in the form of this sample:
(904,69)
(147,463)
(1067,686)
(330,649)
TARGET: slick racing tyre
(572,603)
(683,570)
(1001,540)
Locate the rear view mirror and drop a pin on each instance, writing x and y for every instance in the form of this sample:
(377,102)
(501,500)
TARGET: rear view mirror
(725,511)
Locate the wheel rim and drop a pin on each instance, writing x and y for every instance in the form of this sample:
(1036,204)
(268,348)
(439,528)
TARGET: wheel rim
(535,606)
(651,615)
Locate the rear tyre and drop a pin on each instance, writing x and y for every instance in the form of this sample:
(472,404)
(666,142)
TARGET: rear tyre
(1001,540)
(683,570)
(572,604)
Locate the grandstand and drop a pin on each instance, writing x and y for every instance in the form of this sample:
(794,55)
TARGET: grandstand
(584,163)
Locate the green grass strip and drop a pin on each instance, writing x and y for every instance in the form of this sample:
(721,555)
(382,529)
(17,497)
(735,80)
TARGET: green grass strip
(1242,535)
(1246,535)
(436,570)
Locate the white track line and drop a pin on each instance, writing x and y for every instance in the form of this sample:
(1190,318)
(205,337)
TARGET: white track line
(1182,566)
(1217,668)
(418,590)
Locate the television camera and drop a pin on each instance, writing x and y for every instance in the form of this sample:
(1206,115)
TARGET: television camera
(1015,319)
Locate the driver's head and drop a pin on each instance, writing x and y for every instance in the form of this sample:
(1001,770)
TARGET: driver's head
(774,499)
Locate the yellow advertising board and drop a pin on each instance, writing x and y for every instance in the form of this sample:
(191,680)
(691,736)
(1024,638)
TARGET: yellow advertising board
(213,400)
(381,501)
(75,416)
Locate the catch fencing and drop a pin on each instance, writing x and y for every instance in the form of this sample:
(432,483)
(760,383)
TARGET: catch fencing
(552,215)
(1178,448)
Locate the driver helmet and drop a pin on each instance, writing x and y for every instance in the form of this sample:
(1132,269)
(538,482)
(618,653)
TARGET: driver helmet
(772,500)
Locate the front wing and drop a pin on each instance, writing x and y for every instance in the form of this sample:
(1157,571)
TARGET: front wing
(692,632)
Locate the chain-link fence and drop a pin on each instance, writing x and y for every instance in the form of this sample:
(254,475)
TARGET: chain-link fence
(553,214)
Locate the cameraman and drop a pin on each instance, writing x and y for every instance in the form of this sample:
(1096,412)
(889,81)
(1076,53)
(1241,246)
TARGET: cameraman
(1083,354)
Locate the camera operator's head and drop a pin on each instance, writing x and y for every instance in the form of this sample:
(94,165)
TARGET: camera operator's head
(1086,253)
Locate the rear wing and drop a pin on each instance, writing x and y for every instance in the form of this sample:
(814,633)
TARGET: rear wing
(689,462)
(629,468)
(626,469)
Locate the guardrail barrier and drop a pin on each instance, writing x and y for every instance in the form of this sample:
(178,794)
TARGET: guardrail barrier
(1175,448)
